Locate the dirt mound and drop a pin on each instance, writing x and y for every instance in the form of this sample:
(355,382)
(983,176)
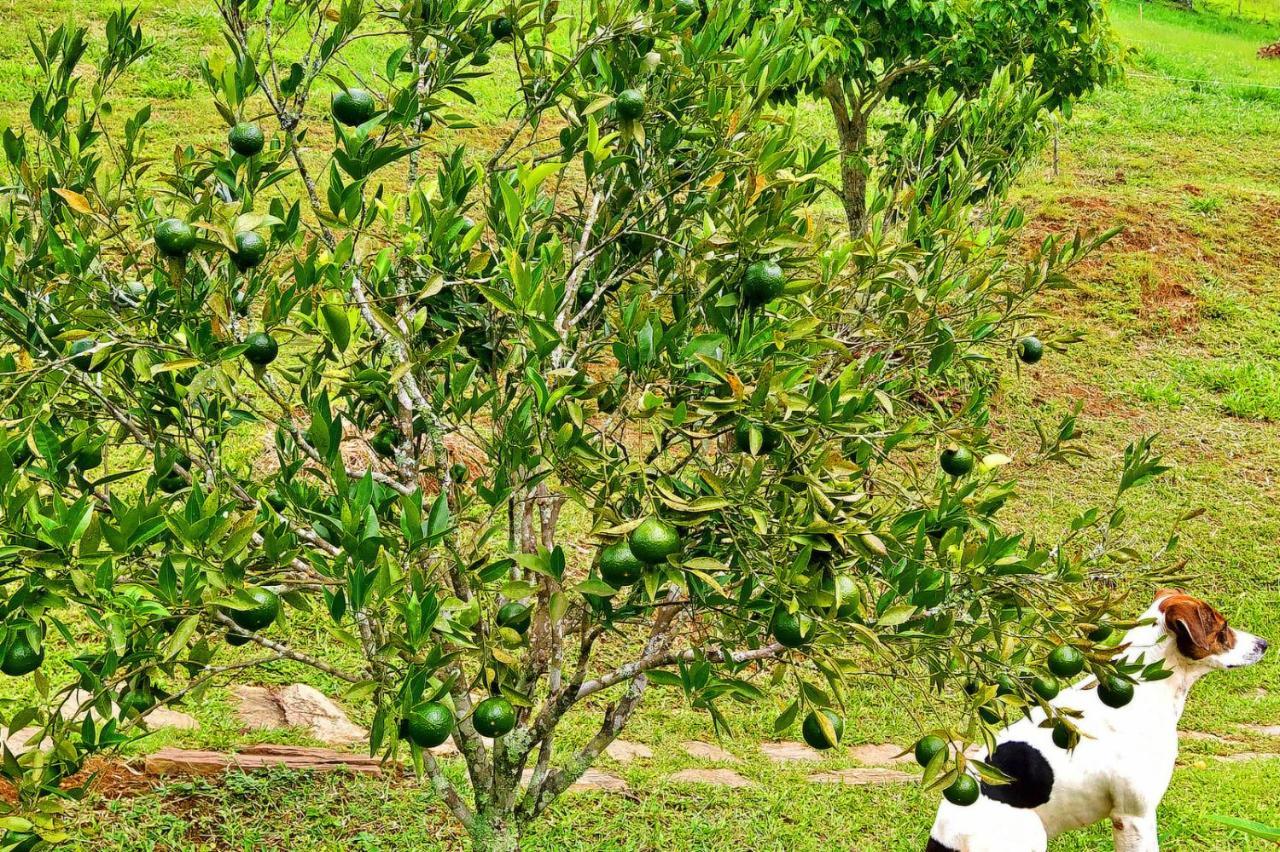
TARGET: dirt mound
(1271,51)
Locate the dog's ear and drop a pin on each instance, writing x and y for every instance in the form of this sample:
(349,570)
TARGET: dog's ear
(1199,629)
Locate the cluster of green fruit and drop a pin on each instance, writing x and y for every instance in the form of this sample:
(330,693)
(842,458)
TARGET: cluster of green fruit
(650,543)
(176,239)
(430,724)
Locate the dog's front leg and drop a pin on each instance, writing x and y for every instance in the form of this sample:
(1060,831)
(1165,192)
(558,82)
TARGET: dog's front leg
(1135,834)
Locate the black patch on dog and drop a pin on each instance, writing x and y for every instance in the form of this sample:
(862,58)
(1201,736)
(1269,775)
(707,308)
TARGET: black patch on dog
(935,846)
(1031,773)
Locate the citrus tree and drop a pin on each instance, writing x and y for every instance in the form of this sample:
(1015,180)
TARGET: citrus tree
(520,426)
(869,52)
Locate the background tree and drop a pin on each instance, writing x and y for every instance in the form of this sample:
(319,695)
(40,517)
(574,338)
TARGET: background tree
(870,52)
(608,382)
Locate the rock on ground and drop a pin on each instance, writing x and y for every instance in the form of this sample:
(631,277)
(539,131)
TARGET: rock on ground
(716,777)
(862,777)
(879,753)
(789,752)
(625,752)
(707,751)
(296,705)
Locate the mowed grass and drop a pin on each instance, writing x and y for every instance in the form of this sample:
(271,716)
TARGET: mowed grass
(1182,319)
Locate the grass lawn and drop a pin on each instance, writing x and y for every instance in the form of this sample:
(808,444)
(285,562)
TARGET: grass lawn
(1182,320)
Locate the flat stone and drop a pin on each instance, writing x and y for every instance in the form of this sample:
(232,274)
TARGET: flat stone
(1264,730)
(625,752)
(176,761)
(307,707)
(1199,736)
(789,752)
(707,751)
(21,740)
(716,777)
(862,777)
(1246,756)
(257,708)
(163,717)
(592,779)
(879,753)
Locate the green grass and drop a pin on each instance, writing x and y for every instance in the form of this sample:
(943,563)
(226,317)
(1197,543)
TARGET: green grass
(1182,320)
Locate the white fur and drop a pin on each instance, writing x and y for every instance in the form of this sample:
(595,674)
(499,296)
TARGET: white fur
(1121,767)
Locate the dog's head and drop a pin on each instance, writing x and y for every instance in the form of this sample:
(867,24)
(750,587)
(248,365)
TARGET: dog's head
(1201,635)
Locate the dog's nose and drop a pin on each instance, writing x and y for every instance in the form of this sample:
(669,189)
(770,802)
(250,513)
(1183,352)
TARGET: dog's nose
(1263,645)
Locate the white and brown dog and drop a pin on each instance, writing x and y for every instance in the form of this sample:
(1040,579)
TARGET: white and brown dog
(1123,763)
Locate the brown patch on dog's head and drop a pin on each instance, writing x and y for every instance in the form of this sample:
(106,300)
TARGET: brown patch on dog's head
(1199,629)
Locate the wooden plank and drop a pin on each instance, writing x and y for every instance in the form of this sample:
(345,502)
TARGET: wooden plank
(178,761)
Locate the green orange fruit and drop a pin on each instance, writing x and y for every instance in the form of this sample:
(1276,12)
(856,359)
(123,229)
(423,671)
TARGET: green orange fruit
(89,363)
(814,734)
(619,566)
(1030,349)
(494,717)
(260,616)
(353,107)
(963,791)
(246,139)
(654,540)
(428,725)
(1115,691)
(260,348)
(788,629)
(1066,661)
(763,282)
(1046,686)
(929,747)
(251,250)
(174,237)
(956,461)
(630,104)
(20,658)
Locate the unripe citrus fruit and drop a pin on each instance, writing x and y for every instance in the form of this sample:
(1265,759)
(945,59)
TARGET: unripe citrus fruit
(251,250)
(501,28)
(1030,349)
(246,139)
(1115,691)
(1046,686)
(963,791)
(619,566)
(260,348)
(174,237)
(929,747)
(353,107)
(763,282)
(494,717)
(1066,661)
(21,659)
(787,629)
(630,104)
(428,725)
(815,736)
(260,616)
(956,461)
(654,540)
(83,361)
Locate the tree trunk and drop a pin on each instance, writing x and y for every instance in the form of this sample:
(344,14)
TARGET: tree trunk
(851,125)
(495,832)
